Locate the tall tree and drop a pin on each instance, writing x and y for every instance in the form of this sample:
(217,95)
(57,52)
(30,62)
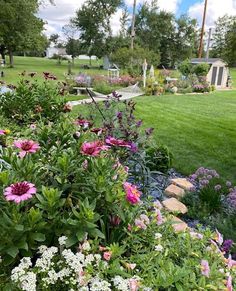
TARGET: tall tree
(19,24)
(159,31)
(93,24)
(185,42)
(73,43)
(155,30)
(230,49)
(223,40)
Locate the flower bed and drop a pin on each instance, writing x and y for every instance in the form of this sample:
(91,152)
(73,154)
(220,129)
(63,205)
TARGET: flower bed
(76,212)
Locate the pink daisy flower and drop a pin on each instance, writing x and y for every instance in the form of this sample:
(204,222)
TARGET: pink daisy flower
(20,191)
(2,132)
(92,148)
(26,146)
(132,193)
(205,269)
(117,142)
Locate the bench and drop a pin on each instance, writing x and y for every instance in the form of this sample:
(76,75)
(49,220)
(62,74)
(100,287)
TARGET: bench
(82,90)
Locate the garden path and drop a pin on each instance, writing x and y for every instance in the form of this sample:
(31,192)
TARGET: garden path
(127,93)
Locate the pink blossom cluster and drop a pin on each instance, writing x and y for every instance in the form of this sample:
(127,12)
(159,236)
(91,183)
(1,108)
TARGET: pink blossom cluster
(132,193)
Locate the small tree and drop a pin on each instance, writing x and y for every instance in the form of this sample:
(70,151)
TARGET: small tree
(124,55)
(185,68)
(73,48)
(201,70)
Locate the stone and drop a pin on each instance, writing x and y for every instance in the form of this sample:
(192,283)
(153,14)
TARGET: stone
(182,183)
(174,191)
(174,205)
(178,224)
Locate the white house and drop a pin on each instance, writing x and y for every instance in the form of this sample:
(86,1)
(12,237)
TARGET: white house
(218,73)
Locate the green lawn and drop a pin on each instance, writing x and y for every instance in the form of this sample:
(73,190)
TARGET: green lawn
(40,65)
(198,129)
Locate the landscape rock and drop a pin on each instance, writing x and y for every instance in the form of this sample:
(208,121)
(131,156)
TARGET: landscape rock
(183,183)
(174,191)
(174,205)
(178,224)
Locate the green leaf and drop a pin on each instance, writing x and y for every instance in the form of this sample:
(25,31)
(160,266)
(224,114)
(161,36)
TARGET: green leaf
(19,227)
(12,251)
(80,235)
(38,236)
(71,241)
(23,245)
(96,233)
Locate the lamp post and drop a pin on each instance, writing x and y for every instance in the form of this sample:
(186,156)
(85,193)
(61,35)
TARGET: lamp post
(202,31)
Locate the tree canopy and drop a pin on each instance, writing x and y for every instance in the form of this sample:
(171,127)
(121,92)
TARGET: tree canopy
(224,41)
(93,24)
(20,28)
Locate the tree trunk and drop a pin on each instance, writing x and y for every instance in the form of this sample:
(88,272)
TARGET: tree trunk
(2,51)
(11,59)
(73,61)
(90,60)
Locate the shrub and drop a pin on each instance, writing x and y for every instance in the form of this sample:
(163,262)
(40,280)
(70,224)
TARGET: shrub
(185,68)
(159,158)
(200,69)
(124,56)
(31,101)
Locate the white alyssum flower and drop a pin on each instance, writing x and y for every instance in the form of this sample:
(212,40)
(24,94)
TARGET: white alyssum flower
(42,249)
(86,246)
(51,278)
(28,282)
(44,263)
(158,235)
(97,284)
(62,240)
(159,248)
(121,283)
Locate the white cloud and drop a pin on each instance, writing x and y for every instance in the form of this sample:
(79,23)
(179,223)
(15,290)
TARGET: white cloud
(56,16)
(115,21)
(168,5)
(215,9)
(59,14)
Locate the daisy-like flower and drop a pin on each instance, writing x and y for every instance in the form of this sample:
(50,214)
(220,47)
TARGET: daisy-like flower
(26,146)
(205,269)
(132,193)
(92,148)
(117,142)
(4,131)
(19,191)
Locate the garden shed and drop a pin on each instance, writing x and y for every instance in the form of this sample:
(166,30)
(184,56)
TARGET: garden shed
(218,73)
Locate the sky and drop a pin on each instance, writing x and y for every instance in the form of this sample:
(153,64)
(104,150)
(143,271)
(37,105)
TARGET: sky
(59,15)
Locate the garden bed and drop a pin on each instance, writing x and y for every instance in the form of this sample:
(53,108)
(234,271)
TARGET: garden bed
(77,207)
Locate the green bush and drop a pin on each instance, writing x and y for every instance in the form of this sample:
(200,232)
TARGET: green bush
(185,68)
(200,69)
(159,158)
(31,101)
(127,58)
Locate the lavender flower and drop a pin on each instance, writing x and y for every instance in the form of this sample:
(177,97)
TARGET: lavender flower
(227,245)
(218,187)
